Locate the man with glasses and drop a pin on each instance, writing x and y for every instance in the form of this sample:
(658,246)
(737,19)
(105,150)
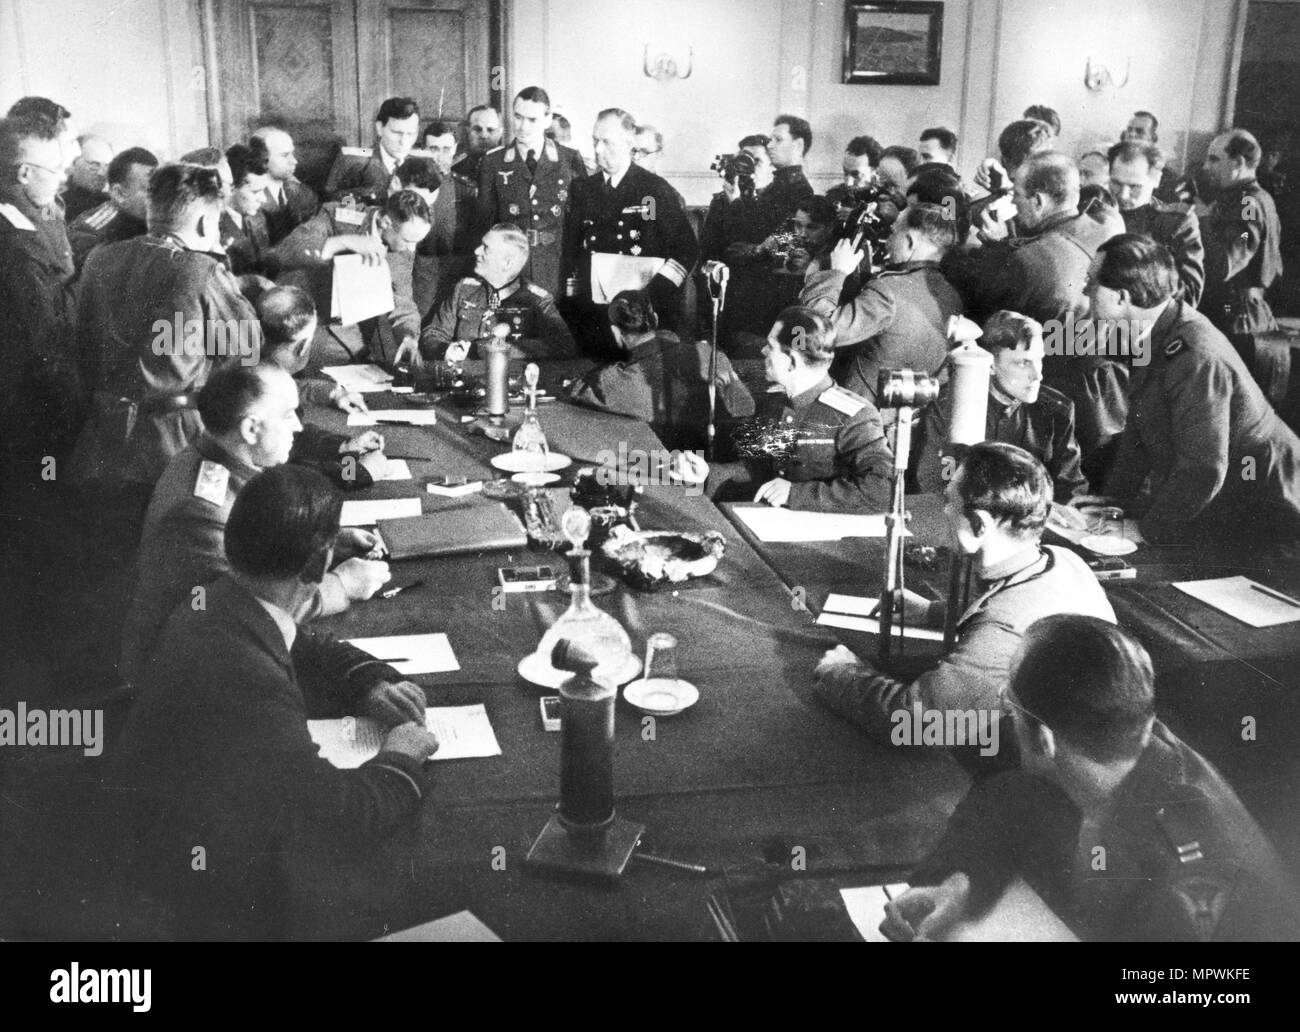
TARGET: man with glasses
(997,506)
(1123,830)
(87,176)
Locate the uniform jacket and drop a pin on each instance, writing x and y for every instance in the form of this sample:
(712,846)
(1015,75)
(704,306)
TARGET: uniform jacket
(300,203)
(106,224)
(537,202)
(1185,862)
(1044,428)
(360,171)
(1039,581)
(144,378)
(1243,257)
(665,382)
(781,197)
(216,752)
(1196,416)
(183,546)
(447,253)
(474,307)
(248,245)
(641,217)
(839,460)
(1179,230)
(898,321)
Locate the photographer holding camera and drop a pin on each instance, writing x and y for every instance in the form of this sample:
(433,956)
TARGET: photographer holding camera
(900,317)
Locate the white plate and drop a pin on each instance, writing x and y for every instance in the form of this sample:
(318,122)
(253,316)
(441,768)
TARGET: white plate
(537,670)
(535,479)
(1109,545)
(528,462)
(660,697)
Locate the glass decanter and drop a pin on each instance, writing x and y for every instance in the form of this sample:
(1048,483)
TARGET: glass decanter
(582,622)
(529,438)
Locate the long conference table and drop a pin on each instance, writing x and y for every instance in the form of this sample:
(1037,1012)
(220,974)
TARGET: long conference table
(755,781)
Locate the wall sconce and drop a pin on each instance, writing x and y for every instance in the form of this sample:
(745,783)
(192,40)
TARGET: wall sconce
(664,67)
(1097,77)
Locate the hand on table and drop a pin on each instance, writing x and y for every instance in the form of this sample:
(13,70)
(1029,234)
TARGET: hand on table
(393,703)
(775,492)
(362,577)
(409,351)
(837,662)
(457,351)
(412,739)
(927,913)
(353,541)
(360,444)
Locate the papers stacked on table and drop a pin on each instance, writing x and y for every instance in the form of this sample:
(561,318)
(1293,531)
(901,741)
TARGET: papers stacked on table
(411,653)
(361,378)
(464,732)
(1243,599)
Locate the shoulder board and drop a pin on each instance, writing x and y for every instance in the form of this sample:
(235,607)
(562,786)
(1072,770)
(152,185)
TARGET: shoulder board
(1175,347)
(211,482)
(842,400)
(357,152)
(16,218)
(98,218)
(469,281)
(533,288)
(420,152)
(350,216)
(494,150)
(1051,396)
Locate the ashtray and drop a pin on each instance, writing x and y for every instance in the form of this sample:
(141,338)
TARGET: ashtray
(649,559)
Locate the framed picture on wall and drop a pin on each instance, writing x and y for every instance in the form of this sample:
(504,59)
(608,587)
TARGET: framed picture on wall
(892,44)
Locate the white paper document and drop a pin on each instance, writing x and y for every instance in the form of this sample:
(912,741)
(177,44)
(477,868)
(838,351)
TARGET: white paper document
(396,469)
(866,907)
(1244,600)
(850,612)
(412,417)
(360,291)
(368,512)
(360,378)
(463,732)
(411,653)
(613,273)
(775,524)
(461,927)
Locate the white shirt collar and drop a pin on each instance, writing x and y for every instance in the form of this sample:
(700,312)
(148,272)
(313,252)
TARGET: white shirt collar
(390,163)
(615,180)
(235,217)
(283,620)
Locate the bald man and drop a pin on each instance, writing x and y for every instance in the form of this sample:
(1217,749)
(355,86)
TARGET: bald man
(87,177)
(289,203)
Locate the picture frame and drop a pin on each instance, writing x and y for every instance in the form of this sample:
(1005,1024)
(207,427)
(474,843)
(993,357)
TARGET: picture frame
(892,43)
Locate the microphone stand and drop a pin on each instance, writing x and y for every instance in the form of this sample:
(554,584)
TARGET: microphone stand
(891,595)
(716,273)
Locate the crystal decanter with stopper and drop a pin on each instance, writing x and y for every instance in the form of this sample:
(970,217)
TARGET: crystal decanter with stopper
(596,631)
(530,439)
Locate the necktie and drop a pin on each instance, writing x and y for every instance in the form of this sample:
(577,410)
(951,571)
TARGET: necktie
(531,162)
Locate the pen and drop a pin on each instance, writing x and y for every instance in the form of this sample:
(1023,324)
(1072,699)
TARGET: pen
(398,589)
(393,659)
(1275,594)
(677,865)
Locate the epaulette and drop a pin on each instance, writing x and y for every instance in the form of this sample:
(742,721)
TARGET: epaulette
(98,218)
(471,280)
(1050,396)
(420,152)
(16,218)
(358,152)
(842,400)
(533,288)
(494,150)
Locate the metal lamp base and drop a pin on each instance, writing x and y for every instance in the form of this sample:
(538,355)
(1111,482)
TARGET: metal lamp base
(555,851)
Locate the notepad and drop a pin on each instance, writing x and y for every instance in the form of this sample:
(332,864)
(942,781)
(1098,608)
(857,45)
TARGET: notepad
(418,653)
(1245,600)
(866,907)
(370,511)
(395,469)
(461,927)
(463,733)
(361,378)
(413,417)
(360,291)
(850,612)
(784,525)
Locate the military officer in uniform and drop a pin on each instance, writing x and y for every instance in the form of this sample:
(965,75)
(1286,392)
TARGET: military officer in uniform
(623,210)
(497,292)
(824,447)
(371,172)
(1220,462)
(123,215)
(1021,411)
(529,183)
(482,134)
(900,318)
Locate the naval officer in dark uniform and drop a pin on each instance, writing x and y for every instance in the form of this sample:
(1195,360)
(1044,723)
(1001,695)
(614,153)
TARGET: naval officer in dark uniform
(529,183)
(623,210)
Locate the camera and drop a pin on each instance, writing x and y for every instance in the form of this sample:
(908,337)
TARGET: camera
(738,169)
(870,212)
(906,388)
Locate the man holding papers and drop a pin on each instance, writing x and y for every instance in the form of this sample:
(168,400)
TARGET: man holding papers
(250,417)
(626,230)
(997,508)
(221,781)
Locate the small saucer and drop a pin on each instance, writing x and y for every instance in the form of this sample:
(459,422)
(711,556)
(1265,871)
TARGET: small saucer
(535,479)
(1106,545)
(530,462)
(536,669)
(661,697)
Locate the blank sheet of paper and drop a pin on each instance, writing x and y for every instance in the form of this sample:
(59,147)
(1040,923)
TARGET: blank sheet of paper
(850,612)
(411,653)
(866,907)
(775,524)
(360,378)
(411,417)
(1244,600)
(396,469)
(368,512)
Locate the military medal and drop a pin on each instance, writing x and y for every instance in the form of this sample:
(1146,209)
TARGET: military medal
(514,209)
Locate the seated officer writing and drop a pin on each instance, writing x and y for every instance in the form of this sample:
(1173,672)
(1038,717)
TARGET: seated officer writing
(819,446)
(496,293)
(1021,411)
(1184,861)
(997,507)
(216,750)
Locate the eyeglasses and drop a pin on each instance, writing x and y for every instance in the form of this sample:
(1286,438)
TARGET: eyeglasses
(43,168)
(1009,708)
(641,152)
